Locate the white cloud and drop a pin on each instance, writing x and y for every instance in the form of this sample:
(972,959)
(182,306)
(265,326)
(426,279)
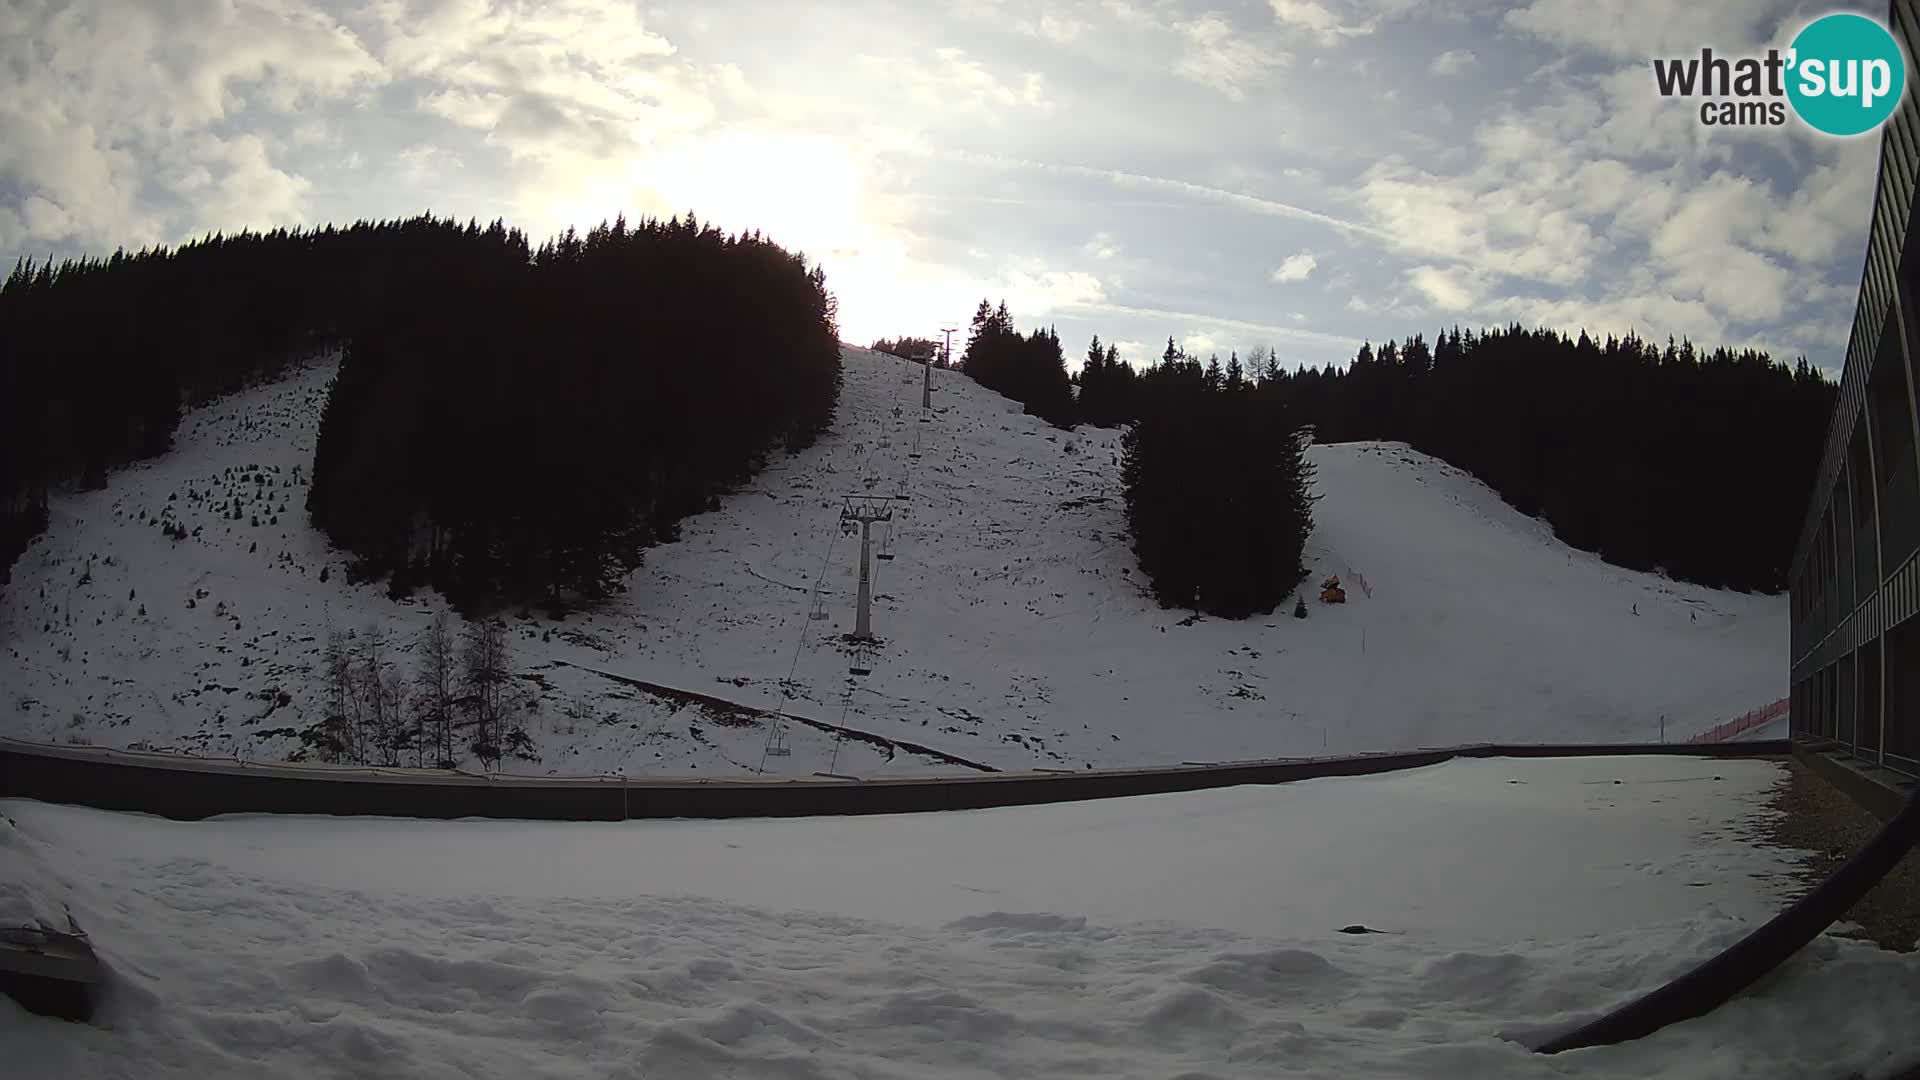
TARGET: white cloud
(1294,268)
(1137,353)
(1701,249)
(1479,220)
(1062,24)
(1222,57)
(1642,29)
(1318,20)
(1199,343)
(1450,289)
(1393,307)
(1585,196)
(1651,315)
(1601,189)
(118,123)
(1221,324)
(1831,206)
(1138,181)
(955,84)
(1034,292)
(422,164)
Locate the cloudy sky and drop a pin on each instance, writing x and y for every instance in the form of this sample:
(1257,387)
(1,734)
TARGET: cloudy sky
(1302,174)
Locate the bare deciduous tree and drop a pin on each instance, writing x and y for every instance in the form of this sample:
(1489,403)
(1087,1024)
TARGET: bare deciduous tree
(342,701)
(483,670)
(436,684)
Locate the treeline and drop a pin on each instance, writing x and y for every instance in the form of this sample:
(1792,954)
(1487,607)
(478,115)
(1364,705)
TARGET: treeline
(1217,485)
(486,393)
(1029,368)
(526,428)
(1694,462)
(1698,463)
(912,348)
(97,355)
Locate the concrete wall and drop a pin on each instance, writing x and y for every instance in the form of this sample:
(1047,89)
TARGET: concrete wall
(191,788)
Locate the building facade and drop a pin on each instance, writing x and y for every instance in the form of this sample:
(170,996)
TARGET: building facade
(1855,582)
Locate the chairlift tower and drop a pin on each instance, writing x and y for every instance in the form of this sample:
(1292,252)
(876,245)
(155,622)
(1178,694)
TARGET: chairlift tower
(865,509)
(926,390)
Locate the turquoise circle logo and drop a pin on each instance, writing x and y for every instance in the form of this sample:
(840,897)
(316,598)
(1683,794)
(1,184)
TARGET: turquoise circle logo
(1847,74)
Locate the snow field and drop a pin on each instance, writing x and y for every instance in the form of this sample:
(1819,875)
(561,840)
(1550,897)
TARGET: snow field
(1016,632)
(1155,937)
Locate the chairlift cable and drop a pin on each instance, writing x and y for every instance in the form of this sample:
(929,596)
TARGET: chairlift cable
(806,626)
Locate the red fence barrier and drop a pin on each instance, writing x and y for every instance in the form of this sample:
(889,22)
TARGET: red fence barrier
(1745,722)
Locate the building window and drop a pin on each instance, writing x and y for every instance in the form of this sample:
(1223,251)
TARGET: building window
(1848,698)
(1867,725)
(1899,489)
(1903,695)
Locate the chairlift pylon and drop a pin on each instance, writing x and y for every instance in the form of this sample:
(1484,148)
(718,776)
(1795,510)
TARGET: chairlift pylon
(861,658)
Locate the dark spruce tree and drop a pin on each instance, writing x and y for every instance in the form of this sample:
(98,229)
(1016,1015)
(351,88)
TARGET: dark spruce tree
(911,348)
(1028,368)
(1106,387)
(530,456)
(100,353)
(1217,490)
(506,424)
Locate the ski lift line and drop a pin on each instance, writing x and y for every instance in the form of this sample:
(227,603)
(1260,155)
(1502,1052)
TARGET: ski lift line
(840,738)
(806,626)
(774,745)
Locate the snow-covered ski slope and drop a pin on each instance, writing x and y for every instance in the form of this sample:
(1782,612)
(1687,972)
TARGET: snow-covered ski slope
(1016,632)
(1195,935)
